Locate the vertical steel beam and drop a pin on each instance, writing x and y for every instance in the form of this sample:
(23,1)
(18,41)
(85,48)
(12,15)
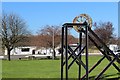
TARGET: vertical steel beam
(62,51)
(80,43)
(66,50)
(87,72)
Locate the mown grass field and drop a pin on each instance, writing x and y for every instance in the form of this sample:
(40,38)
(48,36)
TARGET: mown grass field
(50,69)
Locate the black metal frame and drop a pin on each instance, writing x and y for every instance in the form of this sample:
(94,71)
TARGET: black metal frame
(77,58)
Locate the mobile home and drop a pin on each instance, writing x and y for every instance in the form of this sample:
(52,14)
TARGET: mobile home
(22,51)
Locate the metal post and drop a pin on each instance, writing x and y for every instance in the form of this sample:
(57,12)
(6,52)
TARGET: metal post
(80,43)
(86,31)
(62,51)
(66,52)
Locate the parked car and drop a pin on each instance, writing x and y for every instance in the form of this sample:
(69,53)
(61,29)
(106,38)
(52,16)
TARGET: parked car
(118,52)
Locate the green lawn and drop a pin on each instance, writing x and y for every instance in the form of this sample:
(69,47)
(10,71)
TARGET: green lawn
(49,69)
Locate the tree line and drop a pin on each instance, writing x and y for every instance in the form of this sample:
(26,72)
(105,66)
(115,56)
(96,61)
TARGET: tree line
(14,33)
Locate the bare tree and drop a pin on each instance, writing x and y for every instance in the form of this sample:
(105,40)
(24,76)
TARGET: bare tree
(119,42)
(50,37)
(13,30)
(105,31)
(0,45)
(49,33)
(1,50)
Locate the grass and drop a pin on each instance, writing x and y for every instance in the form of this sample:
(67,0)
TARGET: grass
(50,69)
(31,69)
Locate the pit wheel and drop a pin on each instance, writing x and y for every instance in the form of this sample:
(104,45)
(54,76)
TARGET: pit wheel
(81,19)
